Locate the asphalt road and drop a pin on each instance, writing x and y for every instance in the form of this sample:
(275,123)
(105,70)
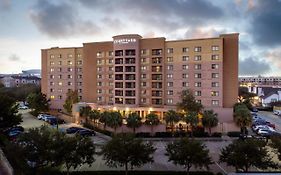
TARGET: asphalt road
(269,116)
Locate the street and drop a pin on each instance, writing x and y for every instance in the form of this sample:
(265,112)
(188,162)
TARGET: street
(272,118)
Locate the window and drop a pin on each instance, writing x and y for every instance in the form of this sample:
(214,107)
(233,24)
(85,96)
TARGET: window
(60,62)
(185,49)
(99,83)
(52,63)
(143,68)
(197,66)
(197,84)
(69,76)
(51,90)
(184,84)
(184,67)
(80,97)
(70,55)
(59,56)
(110,68)
(170,84)
(169,75)
(59,90)
(99,76)
(143,92)
(110,61)
(143,76)
(99,98)
(156,51)
(79,76)
(184,75)
(79,55)
(215,48)
(198,101)
(169,59)
(52,83)
(52,97)
(111,84)
(52,76)
(60,69)
(215,57)
(215,84)
(69,69)
(60,83)
(110,76)
(215,93)
(99,91)
(170,101)
(215,75)
(80,90)
(69,62)
(197,75)
(52,56)
(215,102)
(110,53)
(143,100)
(79,83)
(197,93)
(99,61)
(52,69)
(143,60)
(170,67)
(60,76)
(197,58)
(197,49)
(170,92)
(185,58)
(60,97)
(99,54)
(143,84)
(99,69)
(170,50)
(215,66)
(79,62)
(110,91)
(69,83)
(143,51)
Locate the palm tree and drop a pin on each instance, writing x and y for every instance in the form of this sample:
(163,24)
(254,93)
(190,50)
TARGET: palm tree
(133,121)
(242,117)
(191,118)
(210,120)
(104,118)
(94,115)
(115,120)
(172,117)
(152,120)
(85,112)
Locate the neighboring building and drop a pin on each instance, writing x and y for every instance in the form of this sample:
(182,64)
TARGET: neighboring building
(273,96)
(15,80)
(145,74)
(250,81)
(31,72)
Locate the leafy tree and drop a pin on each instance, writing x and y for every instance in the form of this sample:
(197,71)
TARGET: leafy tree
(210,120)
(71,98)
(133,121)
(8,112)
(20,93)
(85,112)
(38,102)
(243,154)
(95,115)
(104,118)
(1,84)
(172,117)
(188,153)
(188,102)
(242,117)
(276,144)
(152,120)
(191,118)
(115,120)
(125,150)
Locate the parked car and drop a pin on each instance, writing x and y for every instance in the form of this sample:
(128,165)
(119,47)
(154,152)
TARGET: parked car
(73,130)
(46,117)
(54,121)
(86,132)
(255,110)
(40,116)
(276,112)
(14,128)
(23,107)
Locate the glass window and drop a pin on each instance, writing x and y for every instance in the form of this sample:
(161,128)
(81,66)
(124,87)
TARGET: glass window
(215,84)
(185,49)
(169,75)
(185,58)
(197,66)
(215,48)
(198,75)
(184,67)
(215,57)
(170,67)
(184,75)
(170,84)
(215,93)
(197,84)
(197,49)
(197,93)
(197,58)
(215,75)
(169,59)
(170,92)
(215,66)
(184,84)
(215,102)
(170,50)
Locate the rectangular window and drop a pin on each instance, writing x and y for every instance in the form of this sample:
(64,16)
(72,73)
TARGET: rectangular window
(110,68)
(99,91)
(99,76)
(169,59)
(215,66)
(143,76)
(99,54)
(215,102)
(69,69)
(197,93)
(99,61)
(197,49)
(69,76)
(215,48)
(170,67)
(169,75)
(215,57)
(143,84)
(52,63)
(143,68)
(197,58)
(80,90)
(170,92)
(198,101)
(60,62)
(60,76)
(215,93)
(59,56)
(170,101)
(60,83)
(197,75)
(170,50)
(99,99)
(99,83)
(215,84)
(185,58)
(156,51)
(79,62)
(70,55)
(110,76)
(110,53)
(184,67)
(184,76)
(184,84)
(59,69)
(52,69)
(197,84)
(69,62)
(143,51)
(143,60)
(52,83)
(170,84)
(215,75)
(185,49)
(79,55)
(110,61)
(69,83)
(143,100)
(99,69)
(52,56)
(197,66)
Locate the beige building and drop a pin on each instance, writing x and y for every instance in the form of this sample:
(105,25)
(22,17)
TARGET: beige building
(132,73)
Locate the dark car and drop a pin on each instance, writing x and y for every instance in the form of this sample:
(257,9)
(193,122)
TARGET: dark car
(14,128)
(54,121)
(86,132)
(72,130)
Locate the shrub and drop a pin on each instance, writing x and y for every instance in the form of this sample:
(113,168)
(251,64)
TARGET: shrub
(233,134)
(216,134)
(163,134)
(200,132)
(180,134)
(143,135)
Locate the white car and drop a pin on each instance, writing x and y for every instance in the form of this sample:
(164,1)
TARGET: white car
(263,131)
(277,112)
(23,107)
(40,116)
(263,127)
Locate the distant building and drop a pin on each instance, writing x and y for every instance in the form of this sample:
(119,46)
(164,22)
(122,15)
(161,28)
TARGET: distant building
(31,72)
(259,80)
(15,80)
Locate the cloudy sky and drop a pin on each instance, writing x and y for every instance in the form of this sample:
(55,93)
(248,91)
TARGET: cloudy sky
(28,26)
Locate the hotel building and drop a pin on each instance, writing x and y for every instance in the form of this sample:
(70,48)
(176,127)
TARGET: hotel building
(145,74)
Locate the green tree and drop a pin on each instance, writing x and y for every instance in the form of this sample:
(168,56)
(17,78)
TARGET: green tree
(172,117)
(276,144)
(85,112)
(124,150)
(133,121)
(152,120)
(191,118)
(95,115)
(104,118)
(243,154)
(8,112)
(210,120)
(246,97)
(115,120)
(71,98)
(188,102)
(242,117)
(188,153)
(38,102)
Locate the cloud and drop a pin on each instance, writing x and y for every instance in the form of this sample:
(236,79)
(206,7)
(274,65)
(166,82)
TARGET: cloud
(253,66)
(5,4)
(266,23)
(14,58)
(201,32)
(60,20)
(274,56)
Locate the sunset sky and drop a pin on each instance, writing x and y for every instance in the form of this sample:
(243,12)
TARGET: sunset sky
(26,27)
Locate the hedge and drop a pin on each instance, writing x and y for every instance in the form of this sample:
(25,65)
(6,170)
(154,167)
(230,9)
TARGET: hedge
(133,173)
(234,134)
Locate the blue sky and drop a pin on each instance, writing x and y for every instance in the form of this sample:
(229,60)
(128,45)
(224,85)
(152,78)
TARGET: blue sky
(26,27)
